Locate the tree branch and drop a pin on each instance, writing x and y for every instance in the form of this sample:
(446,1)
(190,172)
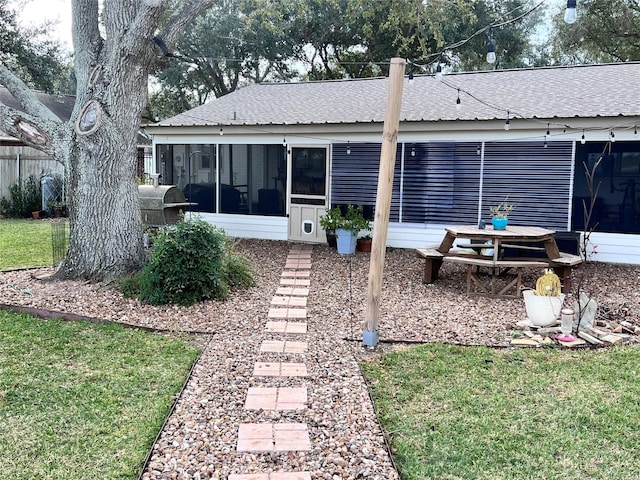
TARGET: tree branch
(25,97)
(87,42)
(181,18)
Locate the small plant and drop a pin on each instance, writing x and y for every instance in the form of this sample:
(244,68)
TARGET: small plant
(332,219)
(190,261)
(548,285)
(24,198)
(354,219)
(502,210)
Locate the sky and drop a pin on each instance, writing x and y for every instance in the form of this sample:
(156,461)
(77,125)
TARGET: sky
(37,12)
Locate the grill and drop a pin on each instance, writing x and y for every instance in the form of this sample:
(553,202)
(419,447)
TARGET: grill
(161,205)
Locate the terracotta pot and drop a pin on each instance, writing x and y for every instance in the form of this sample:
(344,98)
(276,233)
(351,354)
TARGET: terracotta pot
(363,245)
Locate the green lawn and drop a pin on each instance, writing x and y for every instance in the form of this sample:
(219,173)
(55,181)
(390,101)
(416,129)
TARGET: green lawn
(25,243)
(80,400)
(478,413)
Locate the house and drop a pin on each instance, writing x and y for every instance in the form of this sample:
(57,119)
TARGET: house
(267,160)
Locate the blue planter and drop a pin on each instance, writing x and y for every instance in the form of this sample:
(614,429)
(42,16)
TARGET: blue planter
(499,223)
(346,240)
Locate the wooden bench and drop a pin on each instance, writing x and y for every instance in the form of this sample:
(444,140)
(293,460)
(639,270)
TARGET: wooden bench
(433,261)
(491,288)
(563,266)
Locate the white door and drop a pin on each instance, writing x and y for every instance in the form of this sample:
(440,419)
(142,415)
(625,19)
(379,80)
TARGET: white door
(307,193)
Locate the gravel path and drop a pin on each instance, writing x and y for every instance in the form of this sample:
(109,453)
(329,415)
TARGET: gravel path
(199,438)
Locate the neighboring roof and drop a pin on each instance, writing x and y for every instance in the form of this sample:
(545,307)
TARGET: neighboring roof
(60,105)
(585,91)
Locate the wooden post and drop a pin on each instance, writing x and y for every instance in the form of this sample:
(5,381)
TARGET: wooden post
(370,335)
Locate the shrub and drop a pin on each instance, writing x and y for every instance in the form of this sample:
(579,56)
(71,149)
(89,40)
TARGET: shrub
(190,261)
(24,198)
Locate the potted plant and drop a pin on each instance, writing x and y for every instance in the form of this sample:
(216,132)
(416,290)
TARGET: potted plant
(544,304)
(500,215)
(331,220)
(350,225)
(363,244)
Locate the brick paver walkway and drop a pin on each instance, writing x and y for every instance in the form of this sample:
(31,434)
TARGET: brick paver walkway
(285,318)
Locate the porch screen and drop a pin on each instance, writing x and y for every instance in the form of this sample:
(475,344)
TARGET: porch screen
(354,177)
(451,183)
(536,179)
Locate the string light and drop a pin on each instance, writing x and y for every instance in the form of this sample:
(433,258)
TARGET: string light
(411,77)
(545,145)
(491,52)
(413,150)
(570,14)
(478,150)
(284,141)
(612,135)
(438,72)
(582,139)
(507,124)
(458,103)
(635,130)
(546,135)
(348,148)
(221,131)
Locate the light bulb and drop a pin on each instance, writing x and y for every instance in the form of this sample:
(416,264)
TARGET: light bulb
(635,130)
(438,72)
(348,149)
(221,131)
(410,78)
(413,151)
(612,135)
(458,104)
(507,124)
(545,143)
(284,141)
(491,52)
(582,139)
(570,14)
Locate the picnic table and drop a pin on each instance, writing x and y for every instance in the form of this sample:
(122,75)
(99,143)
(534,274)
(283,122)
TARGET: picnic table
(486,248)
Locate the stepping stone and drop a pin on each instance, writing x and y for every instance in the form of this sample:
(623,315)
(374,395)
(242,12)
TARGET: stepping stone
(298,263)
(282,346)
(289,301)
(296,274)
(269,437)
(294,292)
(288,313)
(281,398)
(295,282)
(279,369)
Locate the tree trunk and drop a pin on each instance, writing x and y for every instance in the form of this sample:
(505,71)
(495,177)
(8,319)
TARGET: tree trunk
(115,49)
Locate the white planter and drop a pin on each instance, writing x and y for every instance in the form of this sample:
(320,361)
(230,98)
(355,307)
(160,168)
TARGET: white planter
(542,311)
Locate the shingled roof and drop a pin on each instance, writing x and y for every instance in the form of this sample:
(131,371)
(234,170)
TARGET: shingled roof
(586,91)
(60,105)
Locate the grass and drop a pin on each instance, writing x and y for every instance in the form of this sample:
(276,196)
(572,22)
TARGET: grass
(472,412)
(25,244)
(81,400)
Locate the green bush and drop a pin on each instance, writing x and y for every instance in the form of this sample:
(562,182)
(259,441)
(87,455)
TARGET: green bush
(190,261)
(24,198)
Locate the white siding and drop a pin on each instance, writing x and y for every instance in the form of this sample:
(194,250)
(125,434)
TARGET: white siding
(249,226)
(616,248)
